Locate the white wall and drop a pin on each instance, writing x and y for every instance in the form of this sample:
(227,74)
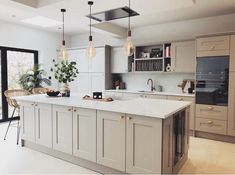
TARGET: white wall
(98,39)
(169,81)
(13,35)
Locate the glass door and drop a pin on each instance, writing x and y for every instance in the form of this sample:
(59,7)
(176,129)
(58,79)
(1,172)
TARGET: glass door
(14,63)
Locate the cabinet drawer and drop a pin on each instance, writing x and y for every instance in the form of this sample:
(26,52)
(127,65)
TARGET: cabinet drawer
(213,112)
(213,43)
(180,98)
(211,126)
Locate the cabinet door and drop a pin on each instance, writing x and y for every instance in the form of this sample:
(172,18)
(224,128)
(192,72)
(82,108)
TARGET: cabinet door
(27,113)
(213,46)
(231,107)
(111,140)
(43,117)
(184,56)
(119,61)
(144,145)
(97,64)
(192,108)
(81,59)
(232,54)
(82,85)
(62,129)
(97,82)
(84,134)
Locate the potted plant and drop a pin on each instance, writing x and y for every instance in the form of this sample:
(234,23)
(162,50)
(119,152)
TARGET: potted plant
(34,78)
(65,72)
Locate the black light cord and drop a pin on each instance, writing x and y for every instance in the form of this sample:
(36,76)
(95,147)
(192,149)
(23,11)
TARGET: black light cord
(90,19)
(63,26)
(129,19)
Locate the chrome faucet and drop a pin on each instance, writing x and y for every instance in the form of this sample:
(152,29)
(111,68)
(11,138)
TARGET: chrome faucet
(152,85)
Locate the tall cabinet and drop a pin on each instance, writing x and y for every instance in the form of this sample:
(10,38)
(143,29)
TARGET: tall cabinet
(231,109)
(94,73)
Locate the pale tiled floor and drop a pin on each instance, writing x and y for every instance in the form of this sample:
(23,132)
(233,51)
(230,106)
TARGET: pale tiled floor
(210,157)
(205,157)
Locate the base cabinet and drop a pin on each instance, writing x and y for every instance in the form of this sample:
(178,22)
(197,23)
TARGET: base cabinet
(192,108)
(111,140)
(62,128)
(143,151)
(27,113)
(231,108)
(43,124)
(84,134)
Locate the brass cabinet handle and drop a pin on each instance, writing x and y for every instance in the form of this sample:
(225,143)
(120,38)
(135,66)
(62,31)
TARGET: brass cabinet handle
(74,110)
(210,108)
(36,105)
(129,118)
(32,104)
(210,122)
(69,109)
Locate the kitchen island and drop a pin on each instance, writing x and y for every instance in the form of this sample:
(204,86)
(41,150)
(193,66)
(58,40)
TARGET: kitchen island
(124,136)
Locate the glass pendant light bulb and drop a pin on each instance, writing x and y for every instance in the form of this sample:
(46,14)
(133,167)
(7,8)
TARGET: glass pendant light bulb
(129,47)
(63,53)
(91,51)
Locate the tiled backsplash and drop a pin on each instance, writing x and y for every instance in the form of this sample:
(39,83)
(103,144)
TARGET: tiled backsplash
(169,81)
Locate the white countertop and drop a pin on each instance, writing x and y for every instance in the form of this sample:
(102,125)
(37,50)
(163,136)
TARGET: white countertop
(139,106)
(153,93)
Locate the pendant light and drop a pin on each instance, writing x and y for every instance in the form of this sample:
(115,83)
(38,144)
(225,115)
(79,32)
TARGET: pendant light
(90,52)
(63,50)
(128,46)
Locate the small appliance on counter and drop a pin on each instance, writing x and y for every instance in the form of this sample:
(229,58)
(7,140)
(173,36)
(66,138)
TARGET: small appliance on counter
(97,95)
(190,83)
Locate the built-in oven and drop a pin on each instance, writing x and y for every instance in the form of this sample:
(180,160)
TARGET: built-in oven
(212,79)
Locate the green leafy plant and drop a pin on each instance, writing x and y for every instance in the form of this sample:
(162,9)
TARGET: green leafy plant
(65,71)
(34,78)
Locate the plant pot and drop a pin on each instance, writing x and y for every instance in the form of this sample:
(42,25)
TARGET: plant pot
(65,91)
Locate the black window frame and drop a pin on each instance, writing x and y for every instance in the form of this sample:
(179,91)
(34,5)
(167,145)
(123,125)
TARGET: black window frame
(4,71)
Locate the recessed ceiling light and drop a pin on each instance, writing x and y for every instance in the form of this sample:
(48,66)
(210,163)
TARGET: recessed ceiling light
(42,21)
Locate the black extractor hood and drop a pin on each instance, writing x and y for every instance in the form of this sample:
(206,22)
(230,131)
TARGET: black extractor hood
(113,14)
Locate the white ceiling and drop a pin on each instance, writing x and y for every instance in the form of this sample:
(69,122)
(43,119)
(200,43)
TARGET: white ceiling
(151,11)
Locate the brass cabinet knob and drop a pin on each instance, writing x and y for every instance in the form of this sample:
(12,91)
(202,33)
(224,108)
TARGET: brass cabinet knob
(210,108)
(69,109)
(32,104)
(210,122)
(36,104)
(75,110)
(122,117)
(129,118)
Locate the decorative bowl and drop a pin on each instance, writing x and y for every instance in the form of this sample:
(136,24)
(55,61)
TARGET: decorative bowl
(53,93)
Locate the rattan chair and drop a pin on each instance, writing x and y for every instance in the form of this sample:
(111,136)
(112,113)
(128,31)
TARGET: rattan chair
(40,90)
(13,103)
